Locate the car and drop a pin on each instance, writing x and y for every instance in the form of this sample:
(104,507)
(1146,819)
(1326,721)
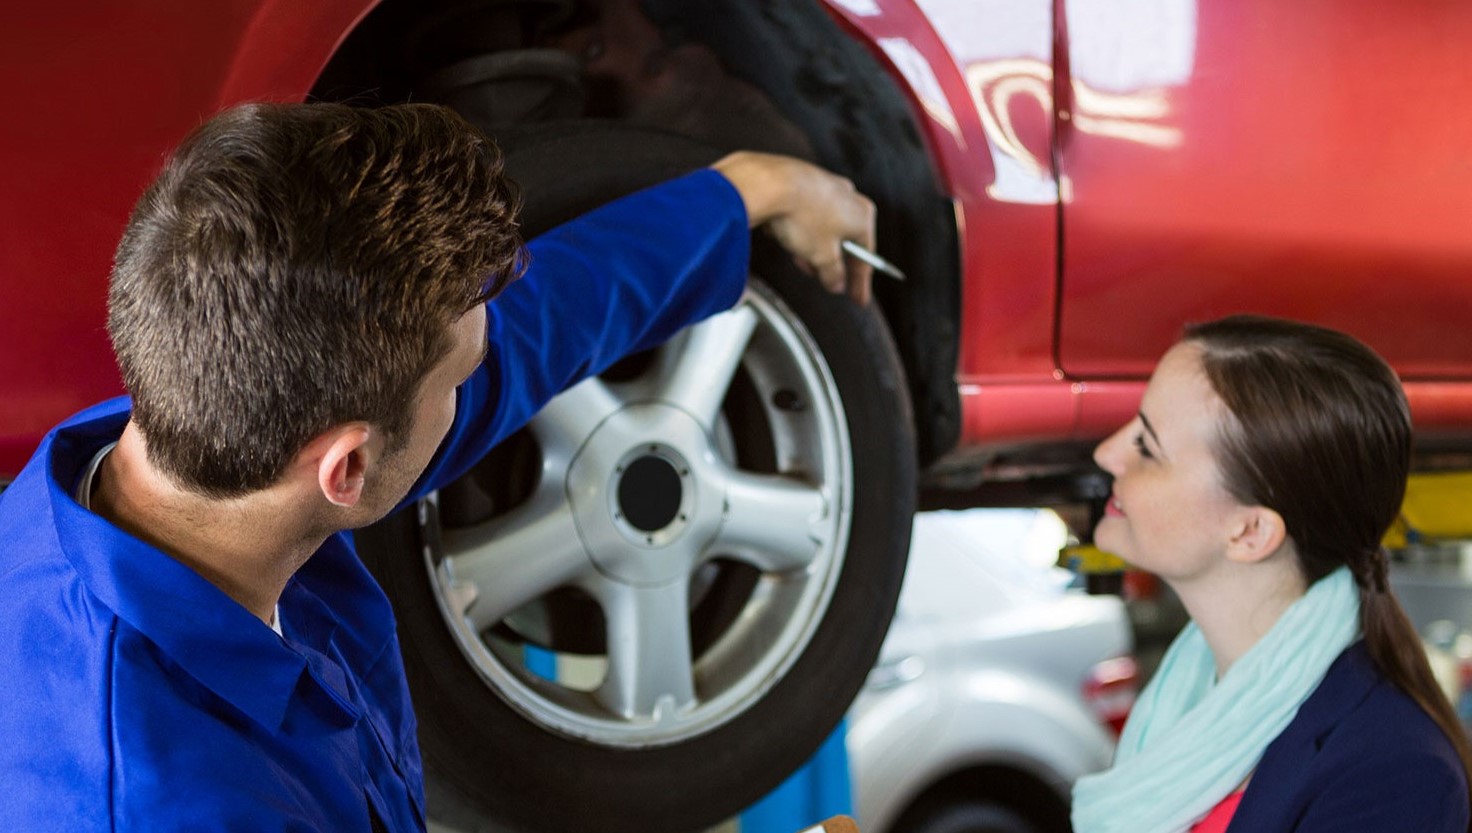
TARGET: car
(1063,185)
(999,684)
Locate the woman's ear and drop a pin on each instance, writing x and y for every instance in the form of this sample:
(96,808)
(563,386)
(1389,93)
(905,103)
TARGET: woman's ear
(1256,533)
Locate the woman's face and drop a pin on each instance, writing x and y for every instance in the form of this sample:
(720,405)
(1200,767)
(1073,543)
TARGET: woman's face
(1169,512)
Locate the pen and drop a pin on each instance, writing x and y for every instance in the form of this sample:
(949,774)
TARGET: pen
(879,263)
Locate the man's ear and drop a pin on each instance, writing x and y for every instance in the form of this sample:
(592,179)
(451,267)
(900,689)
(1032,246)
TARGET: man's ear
(340,457)
(1257,532)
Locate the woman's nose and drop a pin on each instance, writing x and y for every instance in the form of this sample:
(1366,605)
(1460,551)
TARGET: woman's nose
(1107,453)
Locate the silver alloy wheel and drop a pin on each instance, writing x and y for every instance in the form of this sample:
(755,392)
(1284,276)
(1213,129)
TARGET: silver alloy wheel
(638,499)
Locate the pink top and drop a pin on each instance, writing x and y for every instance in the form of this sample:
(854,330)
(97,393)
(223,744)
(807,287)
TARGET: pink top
(1220,816)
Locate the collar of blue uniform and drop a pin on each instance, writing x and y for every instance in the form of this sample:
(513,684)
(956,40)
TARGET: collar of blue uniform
(1191,739)
(208,634)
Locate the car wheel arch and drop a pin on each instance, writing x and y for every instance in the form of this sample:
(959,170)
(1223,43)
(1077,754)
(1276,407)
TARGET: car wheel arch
(988,730)
(842,102)
(1014,784)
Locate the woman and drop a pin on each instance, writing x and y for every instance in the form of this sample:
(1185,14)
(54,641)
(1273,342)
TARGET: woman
(1265,465)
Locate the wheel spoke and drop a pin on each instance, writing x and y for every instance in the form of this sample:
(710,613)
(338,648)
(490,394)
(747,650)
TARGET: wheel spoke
(565,422)
(776,523)
(695,370)
(650,674)
(497,567)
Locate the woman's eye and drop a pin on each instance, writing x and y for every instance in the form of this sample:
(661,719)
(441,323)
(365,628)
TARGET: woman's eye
(1140,447)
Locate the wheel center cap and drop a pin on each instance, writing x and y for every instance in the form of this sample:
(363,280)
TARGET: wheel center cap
(649,493)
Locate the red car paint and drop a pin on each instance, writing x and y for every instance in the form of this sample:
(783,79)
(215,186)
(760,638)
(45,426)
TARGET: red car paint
(1117,169)
(96,95)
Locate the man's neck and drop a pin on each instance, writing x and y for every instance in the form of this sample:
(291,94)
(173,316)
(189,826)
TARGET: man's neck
(249,547)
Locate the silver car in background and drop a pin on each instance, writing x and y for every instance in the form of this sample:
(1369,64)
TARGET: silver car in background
(998,685)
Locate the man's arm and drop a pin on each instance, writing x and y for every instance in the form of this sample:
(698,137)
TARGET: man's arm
(627,276)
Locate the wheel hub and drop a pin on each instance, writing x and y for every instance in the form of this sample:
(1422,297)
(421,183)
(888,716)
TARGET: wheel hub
(649,493)
(647,476)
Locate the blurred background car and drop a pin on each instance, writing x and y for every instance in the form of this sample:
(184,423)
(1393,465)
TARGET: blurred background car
(999,684)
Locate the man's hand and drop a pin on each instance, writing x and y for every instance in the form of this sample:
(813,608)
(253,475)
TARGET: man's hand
(810,211)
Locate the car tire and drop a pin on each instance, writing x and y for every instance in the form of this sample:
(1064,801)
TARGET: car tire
(777,647)
(962,815)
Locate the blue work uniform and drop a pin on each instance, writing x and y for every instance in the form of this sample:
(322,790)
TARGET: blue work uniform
(136,696)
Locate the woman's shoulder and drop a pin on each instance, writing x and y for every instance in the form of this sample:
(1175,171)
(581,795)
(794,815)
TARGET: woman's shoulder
(1357,709)
(1359,753)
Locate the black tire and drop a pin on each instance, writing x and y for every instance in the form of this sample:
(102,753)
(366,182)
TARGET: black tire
(962,815)
(527,776)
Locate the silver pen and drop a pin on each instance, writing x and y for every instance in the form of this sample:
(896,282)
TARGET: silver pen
(879,263)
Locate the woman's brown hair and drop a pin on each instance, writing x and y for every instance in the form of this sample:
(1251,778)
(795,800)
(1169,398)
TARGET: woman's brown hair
(1321,434)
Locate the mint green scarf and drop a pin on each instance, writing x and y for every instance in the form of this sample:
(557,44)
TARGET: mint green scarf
(1191,740)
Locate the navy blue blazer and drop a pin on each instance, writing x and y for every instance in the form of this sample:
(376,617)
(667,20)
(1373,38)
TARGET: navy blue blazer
(1360,756)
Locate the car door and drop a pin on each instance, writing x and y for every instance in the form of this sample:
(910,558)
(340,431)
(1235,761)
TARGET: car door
(1308,160)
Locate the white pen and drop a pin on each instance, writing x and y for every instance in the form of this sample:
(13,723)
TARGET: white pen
(879,263)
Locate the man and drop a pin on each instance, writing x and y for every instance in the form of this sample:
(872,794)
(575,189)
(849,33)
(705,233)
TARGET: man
(298,307)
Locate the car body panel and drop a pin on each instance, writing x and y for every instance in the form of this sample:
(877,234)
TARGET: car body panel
(99,93)
(979,73)
(1160,108)
(1108,144)
(1305,150)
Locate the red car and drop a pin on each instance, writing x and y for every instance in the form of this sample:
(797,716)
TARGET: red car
(1064,183)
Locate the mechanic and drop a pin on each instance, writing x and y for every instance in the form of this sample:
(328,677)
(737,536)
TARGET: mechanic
(298,308)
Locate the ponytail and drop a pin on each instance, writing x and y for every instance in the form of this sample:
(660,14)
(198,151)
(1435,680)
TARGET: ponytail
(1396,650)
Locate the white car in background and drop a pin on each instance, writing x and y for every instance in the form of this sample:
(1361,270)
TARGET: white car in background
(997,686)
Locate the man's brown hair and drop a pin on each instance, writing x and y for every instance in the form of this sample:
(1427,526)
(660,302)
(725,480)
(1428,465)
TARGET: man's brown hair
(295,267)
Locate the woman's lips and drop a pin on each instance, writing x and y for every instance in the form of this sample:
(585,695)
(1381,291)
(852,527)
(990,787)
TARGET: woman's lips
(1111,509)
